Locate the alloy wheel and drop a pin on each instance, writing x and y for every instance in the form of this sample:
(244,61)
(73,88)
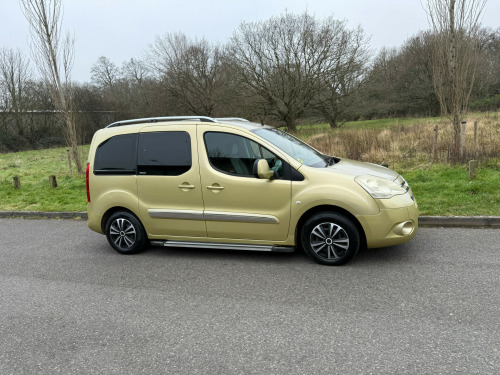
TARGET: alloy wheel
(329,240)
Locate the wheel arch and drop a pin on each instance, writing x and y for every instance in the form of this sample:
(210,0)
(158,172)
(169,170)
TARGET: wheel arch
(111,211)
(328,208)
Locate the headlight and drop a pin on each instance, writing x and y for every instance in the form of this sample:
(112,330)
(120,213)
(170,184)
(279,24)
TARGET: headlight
(379,188)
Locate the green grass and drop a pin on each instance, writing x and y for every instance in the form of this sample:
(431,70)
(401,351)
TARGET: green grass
(447,190)
(439,189)
(35,194)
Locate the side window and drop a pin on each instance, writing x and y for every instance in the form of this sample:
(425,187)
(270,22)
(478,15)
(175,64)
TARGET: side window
(164,153)
(234,154)
(116,155)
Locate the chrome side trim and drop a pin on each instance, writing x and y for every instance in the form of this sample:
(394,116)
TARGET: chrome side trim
(212,216)
(176,214)
(240,217)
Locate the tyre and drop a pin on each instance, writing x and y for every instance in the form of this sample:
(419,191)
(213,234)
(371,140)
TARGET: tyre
(125,233)
(330,238)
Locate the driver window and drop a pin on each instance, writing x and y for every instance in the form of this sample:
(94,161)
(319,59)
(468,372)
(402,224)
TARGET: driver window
(236,155)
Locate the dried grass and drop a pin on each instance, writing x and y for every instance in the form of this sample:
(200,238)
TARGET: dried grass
(414,143)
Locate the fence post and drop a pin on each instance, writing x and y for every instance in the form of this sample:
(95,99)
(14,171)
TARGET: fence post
(462,139)
(473,164)
(16,181)
(475,138)
(52,181)
(435,144)
(69,162)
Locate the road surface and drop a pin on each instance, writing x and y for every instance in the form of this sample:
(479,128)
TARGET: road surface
(70,304)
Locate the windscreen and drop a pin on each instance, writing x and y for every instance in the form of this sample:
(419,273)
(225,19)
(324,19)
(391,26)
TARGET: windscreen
(293,147)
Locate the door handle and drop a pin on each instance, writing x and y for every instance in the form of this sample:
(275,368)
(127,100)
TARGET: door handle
(186,186)
(215,187)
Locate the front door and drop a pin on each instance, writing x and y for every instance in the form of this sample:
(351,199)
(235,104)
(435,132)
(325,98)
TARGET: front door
(169,187)
(239,205)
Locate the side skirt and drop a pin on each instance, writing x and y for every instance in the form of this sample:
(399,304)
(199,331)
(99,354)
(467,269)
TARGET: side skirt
(224,246)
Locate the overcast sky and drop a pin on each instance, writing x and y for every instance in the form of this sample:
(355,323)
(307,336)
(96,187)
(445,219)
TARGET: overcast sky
(122,29)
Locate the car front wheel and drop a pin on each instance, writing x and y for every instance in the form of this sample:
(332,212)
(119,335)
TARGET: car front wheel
(330,239)
(125,233)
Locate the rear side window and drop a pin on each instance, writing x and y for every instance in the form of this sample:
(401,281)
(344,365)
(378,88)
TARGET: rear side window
(116,155)
(164,153)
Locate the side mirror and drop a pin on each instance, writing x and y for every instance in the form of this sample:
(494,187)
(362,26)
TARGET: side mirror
(261,169)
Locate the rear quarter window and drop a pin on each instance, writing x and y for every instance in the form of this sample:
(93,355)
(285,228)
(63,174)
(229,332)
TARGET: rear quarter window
(116,155)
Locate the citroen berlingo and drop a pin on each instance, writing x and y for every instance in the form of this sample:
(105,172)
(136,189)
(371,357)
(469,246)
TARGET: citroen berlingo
(229,183)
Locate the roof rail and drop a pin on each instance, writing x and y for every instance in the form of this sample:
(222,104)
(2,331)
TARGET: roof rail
(230,119)
(158,119)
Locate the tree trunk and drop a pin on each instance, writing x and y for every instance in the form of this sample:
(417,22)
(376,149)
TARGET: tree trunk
(72,140)
(291,125)
(333,122)
(455,151)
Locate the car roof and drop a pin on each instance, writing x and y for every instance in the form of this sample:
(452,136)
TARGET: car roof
(240,122)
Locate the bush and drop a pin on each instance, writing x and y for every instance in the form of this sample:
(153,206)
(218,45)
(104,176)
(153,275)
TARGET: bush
(13,143)
(486,104)
(49,142)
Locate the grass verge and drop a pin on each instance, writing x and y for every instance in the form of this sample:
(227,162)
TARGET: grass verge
(446,190)
(35,194)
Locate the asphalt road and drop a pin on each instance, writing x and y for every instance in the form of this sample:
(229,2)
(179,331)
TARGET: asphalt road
(70,304)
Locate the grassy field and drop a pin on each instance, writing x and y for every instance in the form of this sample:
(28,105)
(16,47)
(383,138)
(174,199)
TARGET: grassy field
(35,194)
(447,190)
(440,188)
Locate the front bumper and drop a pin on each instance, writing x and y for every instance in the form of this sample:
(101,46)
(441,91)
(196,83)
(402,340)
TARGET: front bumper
(393,225)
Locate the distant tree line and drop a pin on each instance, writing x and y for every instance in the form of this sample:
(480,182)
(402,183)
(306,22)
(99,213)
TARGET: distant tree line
(282,71)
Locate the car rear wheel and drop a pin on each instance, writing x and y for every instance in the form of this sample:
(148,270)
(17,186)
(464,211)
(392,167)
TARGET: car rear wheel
(125,233)
(330,239)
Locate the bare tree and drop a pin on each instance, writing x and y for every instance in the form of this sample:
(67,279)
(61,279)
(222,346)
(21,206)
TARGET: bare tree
(15,75)
(286,61)
(104,73)
(456,25)
(343,75)
(399,82)
(54,59)
(136,71)
(487,83)
(190,70)
(138,81)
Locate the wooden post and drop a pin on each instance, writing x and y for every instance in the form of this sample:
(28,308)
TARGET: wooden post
(462,139)
(52,181)
(16,180)
(473,164)
(69,162)
(475,138)
(435,144)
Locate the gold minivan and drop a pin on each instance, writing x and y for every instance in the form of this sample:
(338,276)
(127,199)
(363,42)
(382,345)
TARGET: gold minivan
(233,184)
